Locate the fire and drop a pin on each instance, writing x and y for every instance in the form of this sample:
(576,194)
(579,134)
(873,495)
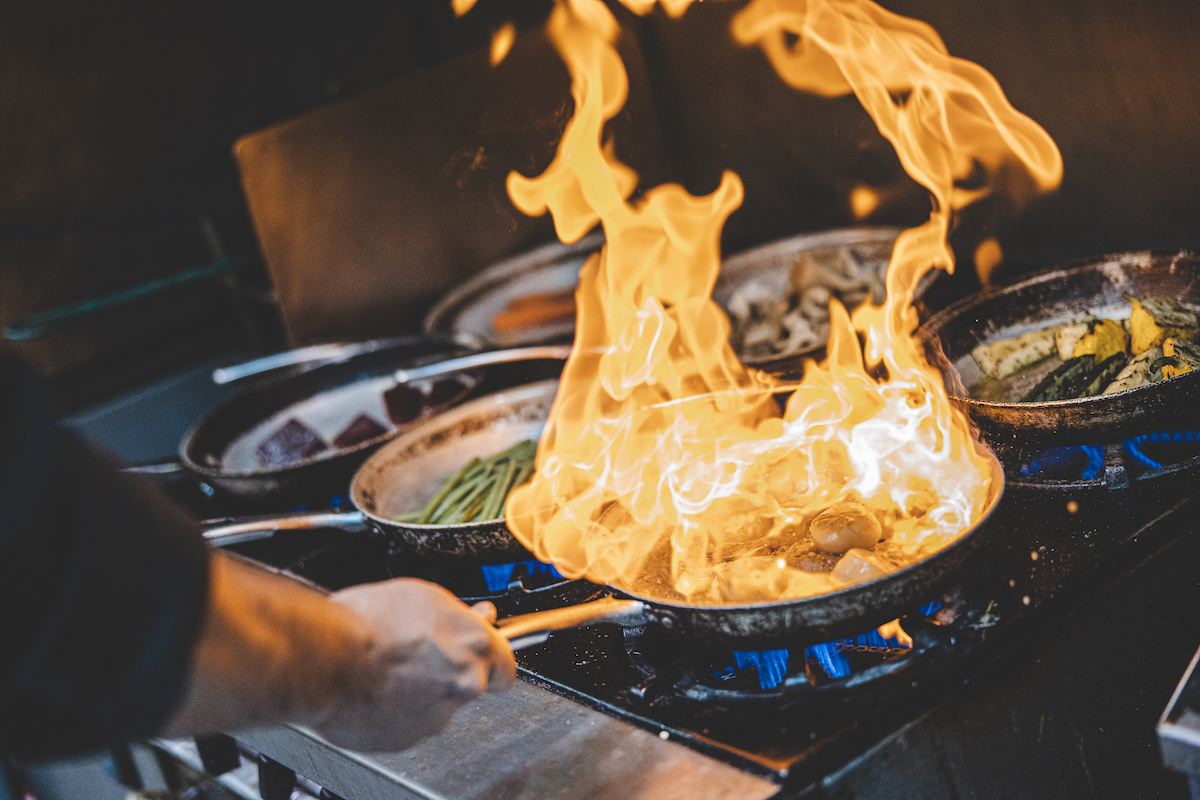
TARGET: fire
(666,466)
(502,42)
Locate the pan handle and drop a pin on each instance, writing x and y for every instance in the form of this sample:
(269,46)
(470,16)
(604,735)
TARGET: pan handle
(232,530)
(320,353)
(530,629)
(169,466)
(560,352)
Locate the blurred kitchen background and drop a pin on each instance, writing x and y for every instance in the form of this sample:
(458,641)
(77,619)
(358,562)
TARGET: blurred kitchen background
(374,139)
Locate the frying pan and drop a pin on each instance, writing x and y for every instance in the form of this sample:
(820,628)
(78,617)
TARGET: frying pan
(331,391)
(770,265)
(471,308)
(398,478)
(1053,297)
(402,474)
(818,618)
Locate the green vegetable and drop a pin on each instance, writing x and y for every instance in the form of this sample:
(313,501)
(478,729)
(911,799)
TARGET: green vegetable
(1064,382)
(478,490)
(1103,375)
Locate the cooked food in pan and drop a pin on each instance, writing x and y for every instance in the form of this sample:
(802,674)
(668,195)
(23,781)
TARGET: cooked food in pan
(767,323)
(292,442)
(363,427)
(1101,356)
(477,491)
(536,310)
(337,421)
(1008,356)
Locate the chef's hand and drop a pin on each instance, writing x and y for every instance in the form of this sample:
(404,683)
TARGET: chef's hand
(430,655)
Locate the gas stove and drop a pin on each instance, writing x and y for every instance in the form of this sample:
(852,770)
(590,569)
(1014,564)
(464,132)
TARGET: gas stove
(1039,672)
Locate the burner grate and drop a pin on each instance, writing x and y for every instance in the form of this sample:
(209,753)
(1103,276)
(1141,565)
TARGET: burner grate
(1146,453)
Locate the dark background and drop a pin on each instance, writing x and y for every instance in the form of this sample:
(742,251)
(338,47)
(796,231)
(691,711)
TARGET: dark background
(118,120)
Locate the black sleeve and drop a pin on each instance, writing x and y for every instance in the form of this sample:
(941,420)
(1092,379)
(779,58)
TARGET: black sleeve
(103,585)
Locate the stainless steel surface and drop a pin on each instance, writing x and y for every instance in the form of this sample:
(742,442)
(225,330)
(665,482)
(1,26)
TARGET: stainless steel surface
(530,629)
(1179,727)
(477,360)
(227,530)
(525,744)
(301,355)
(173,467)
(329,353)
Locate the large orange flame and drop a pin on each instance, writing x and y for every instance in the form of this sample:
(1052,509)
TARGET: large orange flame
(666,466)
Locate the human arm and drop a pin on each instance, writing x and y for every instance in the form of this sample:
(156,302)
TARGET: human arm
(113,632)
(378,666)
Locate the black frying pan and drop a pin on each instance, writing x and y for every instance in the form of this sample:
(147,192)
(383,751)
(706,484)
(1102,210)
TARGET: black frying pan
(1049,298)
(818,618)
(334,394)
(402,474)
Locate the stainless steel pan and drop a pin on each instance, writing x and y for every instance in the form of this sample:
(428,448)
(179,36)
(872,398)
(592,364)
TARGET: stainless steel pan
(1049,298)
(329,396)
(818,618)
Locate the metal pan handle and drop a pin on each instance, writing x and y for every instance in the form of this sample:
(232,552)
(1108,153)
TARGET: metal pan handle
(530,629)
(319,353)
(232,530)
(559,352)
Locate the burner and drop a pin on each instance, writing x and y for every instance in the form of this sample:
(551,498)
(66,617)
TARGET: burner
(1145,453)
(795,712)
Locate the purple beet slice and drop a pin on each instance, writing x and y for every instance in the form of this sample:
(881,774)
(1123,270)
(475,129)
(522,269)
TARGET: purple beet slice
(404,403)
(291,444)
(444,391)
(362,429)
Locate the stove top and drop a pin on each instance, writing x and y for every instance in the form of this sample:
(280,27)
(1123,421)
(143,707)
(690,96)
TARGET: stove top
(1074,532)
(803,710)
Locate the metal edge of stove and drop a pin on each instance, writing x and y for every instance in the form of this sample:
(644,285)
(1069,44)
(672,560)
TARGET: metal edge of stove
(1180,742)
(184,751)
(702,745)
(525,743)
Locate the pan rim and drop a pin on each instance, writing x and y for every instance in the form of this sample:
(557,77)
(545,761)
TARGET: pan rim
(473,380)
(931,329)
(529,391)
(862,587)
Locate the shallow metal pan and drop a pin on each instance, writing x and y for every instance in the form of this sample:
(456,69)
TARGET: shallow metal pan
(818,618)
(1053,297)
(329,392)
(400,476)
(470,309)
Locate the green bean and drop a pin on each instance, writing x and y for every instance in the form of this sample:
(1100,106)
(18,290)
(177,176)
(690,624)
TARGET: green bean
(447,487)
(1105,374)
(452,500)
(479,490)
(495,502)
(458,513)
